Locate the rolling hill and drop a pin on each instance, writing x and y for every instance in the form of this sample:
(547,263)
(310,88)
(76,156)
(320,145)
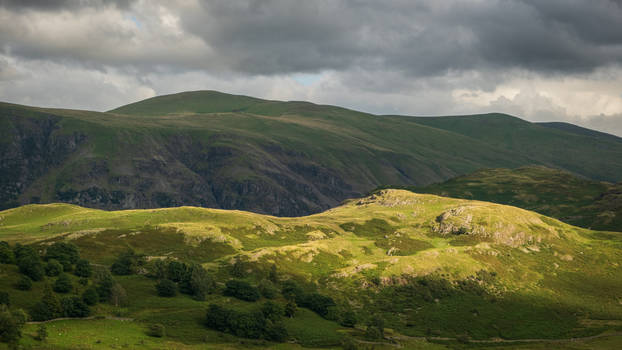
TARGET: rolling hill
(211,149)
(552,192)
(429,266)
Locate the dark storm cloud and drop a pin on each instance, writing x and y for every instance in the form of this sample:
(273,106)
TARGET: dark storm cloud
(55,5)
(417,37)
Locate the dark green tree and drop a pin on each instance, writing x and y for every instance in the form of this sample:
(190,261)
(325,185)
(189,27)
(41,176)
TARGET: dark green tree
(156,330)
(90,296)
(63,284)
(166,288)
(29,263)
(273,275)
(11,324)
(127,263)
(53,268)
(83,268)
(241,290)
(66,253)
(42,333)
(5,299)
(272,311)
(6,254)
(290,309)
(348,319)
(24,283)
(74,307)
(202,282)
(103,283)
(238,269)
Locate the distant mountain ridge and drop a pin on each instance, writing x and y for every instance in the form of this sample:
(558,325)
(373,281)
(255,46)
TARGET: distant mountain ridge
(210,149)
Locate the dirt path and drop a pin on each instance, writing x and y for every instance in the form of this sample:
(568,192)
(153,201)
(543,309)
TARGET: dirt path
(83,318)
(501,340)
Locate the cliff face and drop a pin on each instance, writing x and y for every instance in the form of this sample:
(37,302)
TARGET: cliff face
(40,162)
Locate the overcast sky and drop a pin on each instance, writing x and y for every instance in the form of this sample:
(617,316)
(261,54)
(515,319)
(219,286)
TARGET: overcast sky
(541,60)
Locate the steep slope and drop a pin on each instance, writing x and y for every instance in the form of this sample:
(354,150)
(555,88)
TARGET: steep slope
(552,192)
(217,150)
(426,264)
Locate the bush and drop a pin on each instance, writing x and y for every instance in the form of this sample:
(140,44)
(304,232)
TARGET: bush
(90,296)
(127,263)
(24,283)
(272,311)
(53,268)
(241,290)
(75,307)
(31,266)
(4,299)
(156,330)
(83,268)
(166,288)
(348,319)
(6,254)
(63,284)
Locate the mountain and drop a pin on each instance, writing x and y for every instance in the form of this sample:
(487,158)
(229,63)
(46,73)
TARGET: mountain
(427,265)
(553,192)
(211,149)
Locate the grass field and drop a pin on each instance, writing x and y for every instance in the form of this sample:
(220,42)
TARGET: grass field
(430,266)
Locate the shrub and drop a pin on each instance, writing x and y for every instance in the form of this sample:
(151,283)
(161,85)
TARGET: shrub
(348,319)
(267,289)
(6,254)
(166,288)
(83,268)
(24,283)
(75,307)
(127,263)
(4,299)
(156,330)
(272,311)
(31,266)
(53,268)
(241,290)
(90,296)
(63,284)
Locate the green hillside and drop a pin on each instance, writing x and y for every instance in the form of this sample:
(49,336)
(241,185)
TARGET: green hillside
(552,192)
(210,149)
(455,271)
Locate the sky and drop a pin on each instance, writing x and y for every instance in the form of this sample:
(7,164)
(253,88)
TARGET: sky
(553,60)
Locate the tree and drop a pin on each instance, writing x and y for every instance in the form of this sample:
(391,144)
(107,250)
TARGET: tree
(290,308)
(63,284)
(4,299)
(53,268)
(90,296)
(201,283)
(166,288)
(11,324)
(217,317)
(66,253)
(118,296)
(42,333)
(293,291)
(48,308)
(272,275)
(103,284)
(347,343)
(176,271)
(272,311)
(75,307)
(127,263)
(275,331)
(29,262)
(83,268)
(157,269)
(156,330)
(267,289)
(375,328)
(6,254)
(348,319)
(238,268)
(24,283)
(241,290)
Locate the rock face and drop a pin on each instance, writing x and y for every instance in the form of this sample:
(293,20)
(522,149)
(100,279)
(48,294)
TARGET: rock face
(42,162)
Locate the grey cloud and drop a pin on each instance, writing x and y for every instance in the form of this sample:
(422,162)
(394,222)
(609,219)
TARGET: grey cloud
(54,5)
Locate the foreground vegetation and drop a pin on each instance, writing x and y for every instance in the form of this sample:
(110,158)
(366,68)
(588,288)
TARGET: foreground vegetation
(394,267)
(552,192)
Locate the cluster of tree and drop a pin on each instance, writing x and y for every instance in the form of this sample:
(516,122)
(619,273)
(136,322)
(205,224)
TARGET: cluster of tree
(51,306)
(264,323)
(176,276)
(11,323)
(128,263)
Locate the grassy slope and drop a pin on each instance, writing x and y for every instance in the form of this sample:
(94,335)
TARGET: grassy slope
(554,280)
(552,192)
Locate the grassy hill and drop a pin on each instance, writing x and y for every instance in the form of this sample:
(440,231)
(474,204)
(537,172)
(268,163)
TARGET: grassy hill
(552,192)
(428,266)
(210,149)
